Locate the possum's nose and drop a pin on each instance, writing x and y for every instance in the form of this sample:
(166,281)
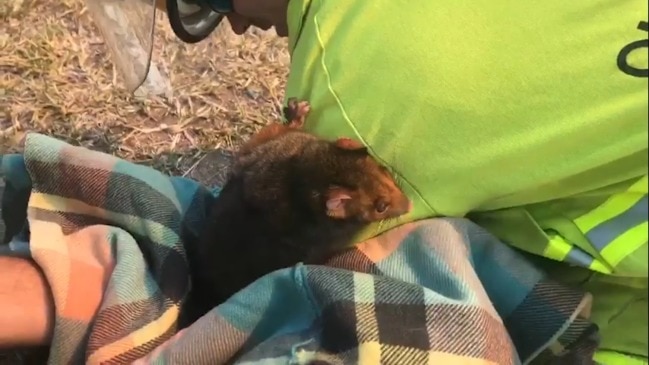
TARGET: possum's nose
(405,205)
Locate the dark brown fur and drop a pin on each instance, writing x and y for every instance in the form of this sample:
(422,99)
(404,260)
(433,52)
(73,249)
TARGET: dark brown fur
(291,198)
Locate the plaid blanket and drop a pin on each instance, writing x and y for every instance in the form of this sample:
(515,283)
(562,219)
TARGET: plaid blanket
(109,236)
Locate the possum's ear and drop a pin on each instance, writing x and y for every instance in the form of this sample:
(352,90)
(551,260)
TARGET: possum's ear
(348,144)
(337,201)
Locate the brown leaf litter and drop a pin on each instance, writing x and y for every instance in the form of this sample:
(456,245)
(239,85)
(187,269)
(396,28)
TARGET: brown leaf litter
(57,78)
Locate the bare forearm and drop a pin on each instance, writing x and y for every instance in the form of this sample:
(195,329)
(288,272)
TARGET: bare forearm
(26,305)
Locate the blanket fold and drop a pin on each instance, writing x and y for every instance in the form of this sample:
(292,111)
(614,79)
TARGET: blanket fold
(109,237)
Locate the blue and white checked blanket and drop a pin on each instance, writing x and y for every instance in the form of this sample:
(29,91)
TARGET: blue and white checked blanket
(109,236)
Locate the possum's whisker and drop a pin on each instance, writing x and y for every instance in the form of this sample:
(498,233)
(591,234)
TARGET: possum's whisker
(382,223)
(397,179)
(376,227)
(392,220)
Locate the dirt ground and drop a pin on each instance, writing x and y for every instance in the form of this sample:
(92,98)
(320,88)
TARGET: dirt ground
(57,78)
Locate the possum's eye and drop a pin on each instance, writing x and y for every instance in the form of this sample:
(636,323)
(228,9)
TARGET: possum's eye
(381,206)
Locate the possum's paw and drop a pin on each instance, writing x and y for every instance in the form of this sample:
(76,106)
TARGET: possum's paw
(295,112)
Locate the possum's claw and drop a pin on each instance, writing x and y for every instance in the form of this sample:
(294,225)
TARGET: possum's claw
(295,112)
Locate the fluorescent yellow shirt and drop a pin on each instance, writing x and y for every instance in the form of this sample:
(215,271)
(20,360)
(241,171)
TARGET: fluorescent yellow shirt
(529,116)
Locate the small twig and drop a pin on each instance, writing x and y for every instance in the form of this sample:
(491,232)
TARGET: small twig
(192,167)
(7,131)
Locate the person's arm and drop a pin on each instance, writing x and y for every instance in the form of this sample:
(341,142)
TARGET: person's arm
(26,304)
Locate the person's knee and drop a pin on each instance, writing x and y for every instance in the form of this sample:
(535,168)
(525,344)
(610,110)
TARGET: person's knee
(27,309)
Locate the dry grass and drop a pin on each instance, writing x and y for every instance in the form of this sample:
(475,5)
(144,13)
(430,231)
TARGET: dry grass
(56,78)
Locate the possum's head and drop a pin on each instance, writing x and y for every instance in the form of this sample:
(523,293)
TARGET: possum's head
(361,189)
